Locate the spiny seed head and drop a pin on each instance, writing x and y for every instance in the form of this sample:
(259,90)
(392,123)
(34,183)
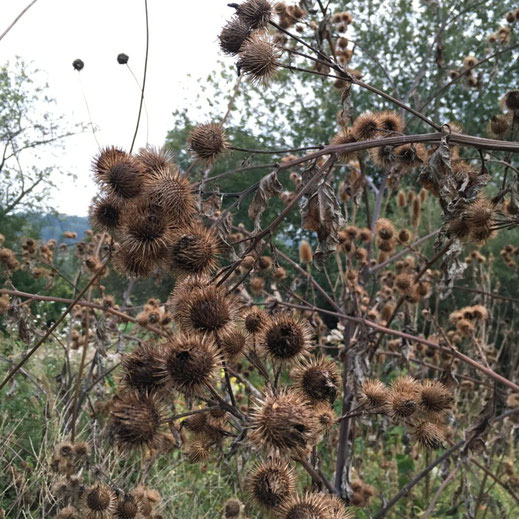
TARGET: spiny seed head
(498,125)
(99,502)
(434,396)
(404,283)
(136,420)
(207,309)
(145,231)
(128,507)
(69,512)
(307,506)
(286,337)
(255,319)
(271,483)
(403,397)
(407,157)
(198,452)
(326,417)
(429,435)
(105,213)
(231,342)
(284,424)
(172,193)
(156,160)
(207,141)
(190,362)
(338,509)
(233,35)
(344,137)
(258,58)
(232,508)
(374,393)
(132,265)
(121,174)
(194,250)
(366,127)
(255,14)
(317,378)
(384,229)
(510,101)
(179,298)
(142,368)
(382,156)
(390,122)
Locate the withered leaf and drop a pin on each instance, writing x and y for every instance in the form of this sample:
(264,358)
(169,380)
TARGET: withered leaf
(268,187)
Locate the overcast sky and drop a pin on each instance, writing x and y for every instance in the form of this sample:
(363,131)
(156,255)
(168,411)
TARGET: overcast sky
(183,40)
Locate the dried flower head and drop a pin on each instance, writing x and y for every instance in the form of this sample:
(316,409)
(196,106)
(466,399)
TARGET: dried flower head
(510,101)
(374,393)
(271,483)
(133,266)
(403,397)
(232,508)
(198,452)
(69,512)
(390,122)
(190,361)
(233,35)
(284,424)
(258,58)
(194,250)
(98,502)
(207,309)
(428,434)
(435,397)
(135,420)
(255,14)
(317,378)
(207,141)
(156,160)
(307,506)
(498,126)
(384,229)
(344,137)
(255,319)
(142,368)
(286,337)
(231,342)
(105,213)
(366,127)
(121,174)
(128,507)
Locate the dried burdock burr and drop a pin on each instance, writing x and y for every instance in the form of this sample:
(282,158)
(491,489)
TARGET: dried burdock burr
(231,342)
(374,393)
(122,58)
(286,338)
(428,434)
(105,213)
(143,368)
(344,137)
(207,309)
(510,101)
(498,125)
(136,420)
(198,452)
(435,397)
(317,378)
(255,319)
(193,250)
(403,397)
(132,265)
(232,508)
(385,229)
(98,502)
(390,122)
(255,14)
(190,362)
(233,35)
(156,160)
(258,58)
(119,173)
(128,507)
(366,127)
(309,505)
(284,424)
(207,141)
(271,483)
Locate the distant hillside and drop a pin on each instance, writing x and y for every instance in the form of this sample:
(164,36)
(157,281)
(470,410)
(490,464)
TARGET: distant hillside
(53,226)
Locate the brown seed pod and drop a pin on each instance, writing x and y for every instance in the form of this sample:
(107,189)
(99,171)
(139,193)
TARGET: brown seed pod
(207,309)
(390,122)
(435,397)
(207,141)
(167,189)
(305,252)
(286,337)
(407,157)
(258,58)
(257,285)
(366,127)
(98,502)
(255,319)
(429,435)
(133,266)
(232,508)
(317,378)
(105,213)
(498,125)
(344,137)
(190,362)
(270,483)
(128,507)
(374,393)
(510,101)
(403,397)
(121,174)
(284,424)
(232,342)
(233,35)
(309,505)
(382,156)
(143,368)
(69,512)
(198,452)
(384,229)
(255,14)
(135,420)
(194,250)
(156,160)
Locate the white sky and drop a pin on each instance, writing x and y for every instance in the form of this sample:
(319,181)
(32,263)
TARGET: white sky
(183,40)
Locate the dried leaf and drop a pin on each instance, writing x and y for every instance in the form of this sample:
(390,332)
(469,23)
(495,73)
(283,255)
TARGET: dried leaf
(268,187)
